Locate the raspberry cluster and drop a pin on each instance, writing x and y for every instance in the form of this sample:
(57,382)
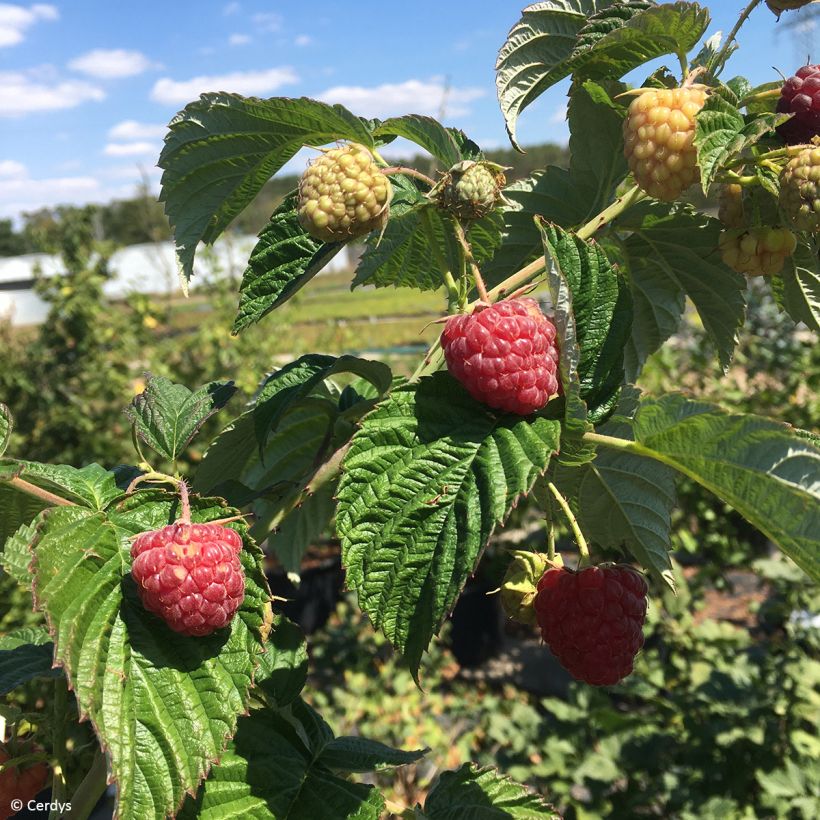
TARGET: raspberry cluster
(800,189)
(757,251)
(800,96)
(190,575)
(504,354)
(343,195)
(592,620)
(659,134)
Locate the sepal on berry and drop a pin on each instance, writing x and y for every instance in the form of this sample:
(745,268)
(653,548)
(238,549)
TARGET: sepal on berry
(470,190)
(520,585)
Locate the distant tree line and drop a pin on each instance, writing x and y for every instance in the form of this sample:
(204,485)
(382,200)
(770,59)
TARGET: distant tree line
(141,218)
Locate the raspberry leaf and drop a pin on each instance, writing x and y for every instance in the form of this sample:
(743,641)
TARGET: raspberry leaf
(16,556)
(25,654)
(600,305)
(163,705)
(800,286)
(283,261)
(425,132)
(401,256)
(6,424)
(230,146)
(722,132)
(273,768)
(669,255)
(166,416)
(283,667)
(483,794)
(409,517)
(768,474)
(91,486)
(555,39)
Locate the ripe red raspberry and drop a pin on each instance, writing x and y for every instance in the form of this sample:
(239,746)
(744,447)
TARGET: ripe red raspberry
(800,96)
(659,135)
(592,619)
(504,354)
(19,784)
(190,575)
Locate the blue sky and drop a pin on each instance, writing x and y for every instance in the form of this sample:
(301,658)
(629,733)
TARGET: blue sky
(87,86)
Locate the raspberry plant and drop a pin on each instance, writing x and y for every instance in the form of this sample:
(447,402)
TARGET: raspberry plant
(416,473)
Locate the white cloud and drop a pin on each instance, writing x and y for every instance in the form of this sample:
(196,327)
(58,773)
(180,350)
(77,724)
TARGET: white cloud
(239,40)
(11,168)
(133,130)
(267,21)
(303,40)
(22,193)
(240,82)
(111,63)
(24,92)
(414,96)
(15,20)
(131,149)
(231,8)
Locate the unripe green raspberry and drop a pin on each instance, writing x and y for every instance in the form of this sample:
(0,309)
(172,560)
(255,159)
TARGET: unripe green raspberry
(730,206)
(800,189)
(757,251)
(470,190)
(659,135)
(343,194)
(520,584)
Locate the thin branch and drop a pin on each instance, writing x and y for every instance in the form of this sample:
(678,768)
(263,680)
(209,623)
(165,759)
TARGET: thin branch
(583,548)
(38,492)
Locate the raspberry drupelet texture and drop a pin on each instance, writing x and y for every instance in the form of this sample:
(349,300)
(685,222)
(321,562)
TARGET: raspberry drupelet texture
(592,620)
(730,206)
(504,354)
(800,189)
(757,251)
(659,134)
(800,96)
(470,190)
(343,194)
(190,575)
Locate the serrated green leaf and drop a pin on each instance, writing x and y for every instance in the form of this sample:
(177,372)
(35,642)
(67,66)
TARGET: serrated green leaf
(575,416)
(162,704)
(271,770)
(767,473)
(16,509)
(166,416)
(670,254)
(359,754)
(6,425)
(403,255)
(535,52)
(283,667)
(722,132)
(801,285)
(483,794)
(425,132)
(625,501)
(16,556)
(282,262)
(221,149)
(601,308)
(302,526)
(91,486)
(427,478)
(25,654)
(590,40)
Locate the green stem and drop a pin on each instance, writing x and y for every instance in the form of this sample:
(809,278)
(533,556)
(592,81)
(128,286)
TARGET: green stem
(58,786)
(684,65)
(410,172)
(88,793)
(720,57)
(621,204)
(732,178)
(550,539)
(583,548)
(467,252)
(44,495)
